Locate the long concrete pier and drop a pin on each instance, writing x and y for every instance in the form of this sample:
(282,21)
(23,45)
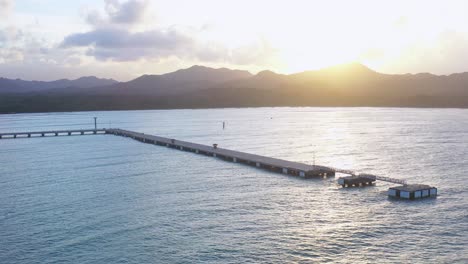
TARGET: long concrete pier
(406,191)
(268,163)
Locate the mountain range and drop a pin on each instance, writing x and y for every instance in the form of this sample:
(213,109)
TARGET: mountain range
(21,86)
(202,87)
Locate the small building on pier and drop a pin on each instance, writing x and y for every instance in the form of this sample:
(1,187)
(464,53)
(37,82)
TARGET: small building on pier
(355,181)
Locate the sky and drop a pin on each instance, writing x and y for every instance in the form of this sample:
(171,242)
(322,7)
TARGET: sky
(123,39)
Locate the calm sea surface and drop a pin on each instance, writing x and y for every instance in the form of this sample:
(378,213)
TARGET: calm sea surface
(108,199)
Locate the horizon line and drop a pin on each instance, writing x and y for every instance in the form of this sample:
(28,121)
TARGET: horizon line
(253,74)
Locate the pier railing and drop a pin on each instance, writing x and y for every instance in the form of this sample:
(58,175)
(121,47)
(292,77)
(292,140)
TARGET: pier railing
(52,133)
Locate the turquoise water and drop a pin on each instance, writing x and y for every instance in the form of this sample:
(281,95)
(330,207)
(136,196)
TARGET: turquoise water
(107,199)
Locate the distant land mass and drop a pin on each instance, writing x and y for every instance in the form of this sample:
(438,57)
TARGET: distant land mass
(21,86)
(202,87)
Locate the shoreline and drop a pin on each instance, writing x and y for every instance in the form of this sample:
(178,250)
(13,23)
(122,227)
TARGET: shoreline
(230,108)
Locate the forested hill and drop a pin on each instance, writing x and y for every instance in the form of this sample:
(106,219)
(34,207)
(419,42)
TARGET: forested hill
(203,87)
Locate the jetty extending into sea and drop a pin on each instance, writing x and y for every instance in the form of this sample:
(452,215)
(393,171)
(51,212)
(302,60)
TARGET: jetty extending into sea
(263,162)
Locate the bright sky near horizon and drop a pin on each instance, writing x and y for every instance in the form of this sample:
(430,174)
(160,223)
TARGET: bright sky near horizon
(123,39)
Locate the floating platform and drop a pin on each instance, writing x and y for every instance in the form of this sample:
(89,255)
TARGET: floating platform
(356,181)
(412,191)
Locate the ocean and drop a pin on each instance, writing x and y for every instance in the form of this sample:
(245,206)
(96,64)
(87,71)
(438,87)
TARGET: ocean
(108,199)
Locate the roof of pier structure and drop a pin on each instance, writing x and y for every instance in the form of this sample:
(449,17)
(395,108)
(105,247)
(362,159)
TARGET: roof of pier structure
(412,187)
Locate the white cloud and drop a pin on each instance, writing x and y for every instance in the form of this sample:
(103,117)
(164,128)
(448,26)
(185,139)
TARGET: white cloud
(130,12)
(114,37)
(120,36)
(6,7)
(145,36)
(447,53)
(124,45)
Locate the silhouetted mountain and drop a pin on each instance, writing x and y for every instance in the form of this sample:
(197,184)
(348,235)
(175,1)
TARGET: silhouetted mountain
(21,86)
(192,79)
(91,81)
(206,74)
(202,87)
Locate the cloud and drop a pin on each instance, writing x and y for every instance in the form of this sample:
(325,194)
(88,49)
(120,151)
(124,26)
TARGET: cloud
(6,6)
(401,22)
(176,45)
(10,33)
(113,37)
(10,55)
(447,53)
(94,18)
(130,12)
(119,37)
(10,43)
(212,52)
(123,45)
(20,46)
(260,52)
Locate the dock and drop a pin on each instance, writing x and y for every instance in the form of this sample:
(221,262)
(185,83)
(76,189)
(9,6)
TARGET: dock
(268,163)
(52,133)
(299,169)
(272,164)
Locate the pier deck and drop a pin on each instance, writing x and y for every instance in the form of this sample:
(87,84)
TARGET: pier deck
(273,164)
(268,163)
(53,133)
